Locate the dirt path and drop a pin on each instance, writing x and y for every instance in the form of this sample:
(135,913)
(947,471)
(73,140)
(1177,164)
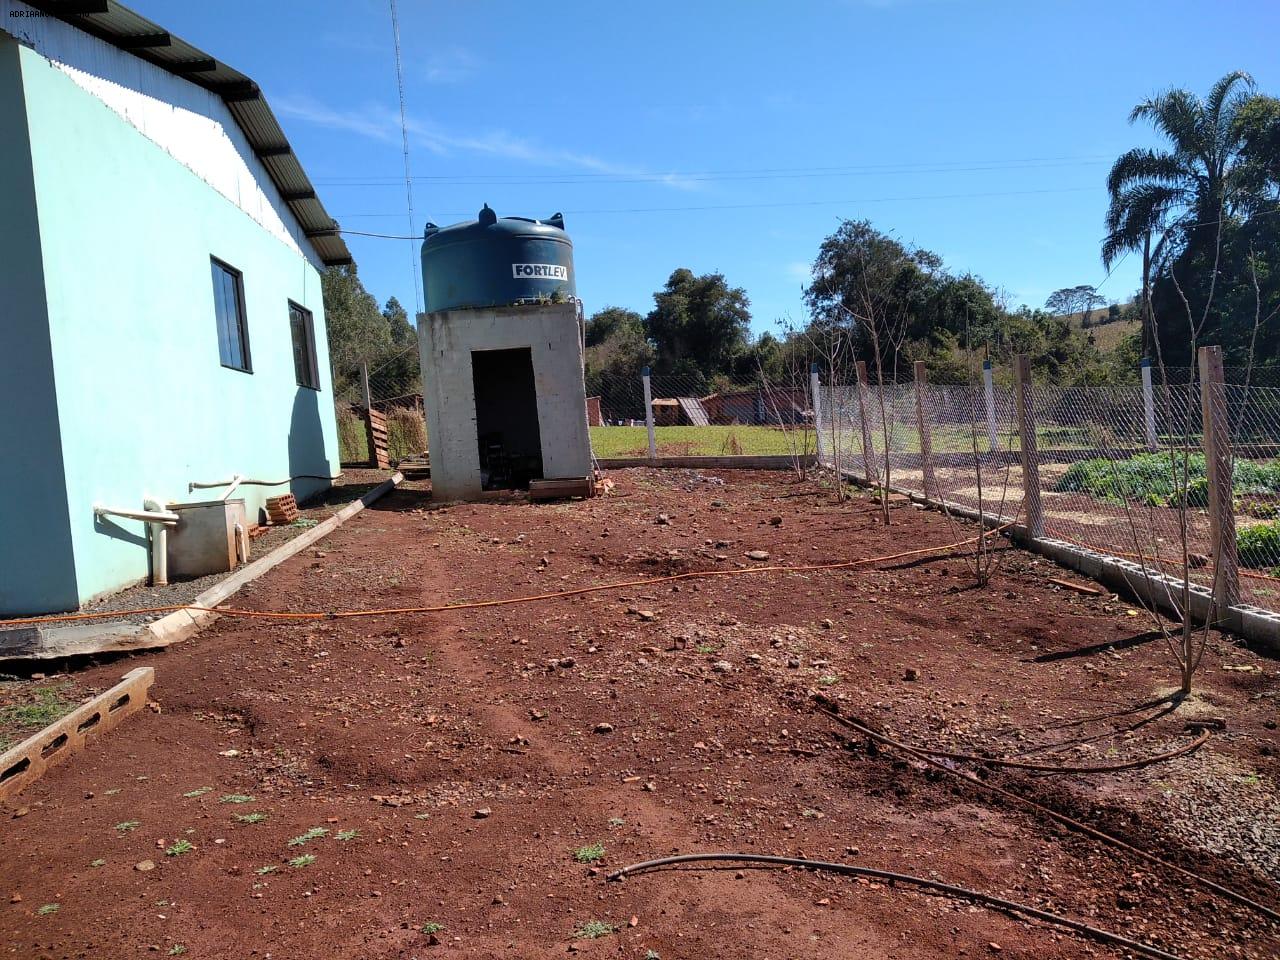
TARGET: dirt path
(467,751)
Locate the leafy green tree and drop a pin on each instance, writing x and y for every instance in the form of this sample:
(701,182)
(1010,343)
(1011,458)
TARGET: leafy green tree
(1175,204)
(397,368)
(613,368)
(698,323)
(603,324)
(358,332)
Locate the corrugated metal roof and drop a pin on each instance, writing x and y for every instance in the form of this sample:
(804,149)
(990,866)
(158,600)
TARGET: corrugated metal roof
(121,27)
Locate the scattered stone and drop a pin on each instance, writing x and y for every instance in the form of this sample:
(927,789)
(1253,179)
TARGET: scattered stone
(722,666)
(650,787)
(604,728)
(482,814)
(143,866)
(646,615)
(828,623)
(21,812)
(911,673)
(757,554)
(662,520)
(793,664)
(16,898)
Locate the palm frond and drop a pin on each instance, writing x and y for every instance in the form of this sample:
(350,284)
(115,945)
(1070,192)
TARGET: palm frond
(1179,115)
(1141,164)
(1222,92)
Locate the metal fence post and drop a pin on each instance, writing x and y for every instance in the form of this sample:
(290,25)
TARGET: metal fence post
(1027,442)
(989,391)
(1148,404)
(926,438)
(871,474)
(815,388)
(648,413)
(1217,458)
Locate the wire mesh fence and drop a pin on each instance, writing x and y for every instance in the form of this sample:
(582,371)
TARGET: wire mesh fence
(1120,470)
(392,387)
(693,416)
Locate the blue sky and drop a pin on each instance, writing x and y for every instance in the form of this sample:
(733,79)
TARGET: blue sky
(732,136)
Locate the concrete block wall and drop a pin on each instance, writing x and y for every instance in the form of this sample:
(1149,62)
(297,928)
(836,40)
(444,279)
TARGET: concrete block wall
(553,337)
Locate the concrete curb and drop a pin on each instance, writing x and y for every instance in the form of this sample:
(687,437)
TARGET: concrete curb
(26,763)
(41,642)
(181,624)
(762,462)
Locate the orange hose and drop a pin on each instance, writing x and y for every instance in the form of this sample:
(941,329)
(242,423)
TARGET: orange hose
(476,604)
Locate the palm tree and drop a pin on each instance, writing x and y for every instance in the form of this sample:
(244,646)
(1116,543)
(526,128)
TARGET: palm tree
(1165,195)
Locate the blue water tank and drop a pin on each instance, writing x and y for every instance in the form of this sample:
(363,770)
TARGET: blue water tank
(496,262)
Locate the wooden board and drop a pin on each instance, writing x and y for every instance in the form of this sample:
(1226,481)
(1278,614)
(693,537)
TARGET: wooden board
(560,489)
(376,427)
(27,762)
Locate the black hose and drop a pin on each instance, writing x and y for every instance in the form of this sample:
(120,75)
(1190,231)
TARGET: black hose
(825,706)
(1009,906)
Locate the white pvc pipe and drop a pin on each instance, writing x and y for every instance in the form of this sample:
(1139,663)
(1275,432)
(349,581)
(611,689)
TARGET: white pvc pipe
(159,545)
(242,545)
(236,480)
(150,516)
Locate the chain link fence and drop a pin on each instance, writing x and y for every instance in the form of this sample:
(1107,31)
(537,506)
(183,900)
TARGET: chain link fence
(393,387)
(694,416)
(1120,470)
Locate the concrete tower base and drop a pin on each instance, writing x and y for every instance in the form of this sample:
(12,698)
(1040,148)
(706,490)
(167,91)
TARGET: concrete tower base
(488,413)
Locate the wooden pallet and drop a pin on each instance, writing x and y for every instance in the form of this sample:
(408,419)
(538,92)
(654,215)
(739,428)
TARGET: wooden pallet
(282,509)
(27,762)
(375,422)
(561,489)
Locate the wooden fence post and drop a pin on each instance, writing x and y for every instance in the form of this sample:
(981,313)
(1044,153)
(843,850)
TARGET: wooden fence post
(926,438)
(1218,466)
(871,474)
(1027,442)
(365,400)
(648,413)
(815,389)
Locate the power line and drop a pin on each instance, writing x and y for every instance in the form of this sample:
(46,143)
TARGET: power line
(753,206)
(408,179)
(775,173)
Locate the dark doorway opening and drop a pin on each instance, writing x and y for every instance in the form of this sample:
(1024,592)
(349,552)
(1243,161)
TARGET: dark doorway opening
(506,418)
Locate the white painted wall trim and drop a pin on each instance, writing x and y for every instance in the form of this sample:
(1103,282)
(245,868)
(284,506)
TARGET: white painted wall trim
(191,124)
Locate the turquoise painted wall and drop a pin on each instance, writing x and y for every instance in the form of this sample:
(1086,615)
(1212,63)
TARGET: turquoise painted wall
(144,404)
(36,568)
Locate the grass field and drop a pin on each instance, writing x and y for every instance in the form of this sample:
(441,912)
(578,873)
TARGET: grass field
(698,441)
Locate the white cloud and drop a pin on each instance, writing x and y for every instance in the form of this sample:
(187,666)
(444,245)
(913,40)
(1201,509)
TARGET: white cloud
(452,66)
(799,270)
(378,121)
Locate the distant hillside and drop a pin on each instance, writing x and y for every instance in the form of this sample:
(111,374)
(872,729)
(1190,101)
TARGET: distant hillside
(1106,336)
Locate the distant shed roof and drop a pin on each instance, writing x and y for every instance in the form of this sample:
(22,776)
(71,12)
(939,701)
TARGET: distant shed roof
(119,26)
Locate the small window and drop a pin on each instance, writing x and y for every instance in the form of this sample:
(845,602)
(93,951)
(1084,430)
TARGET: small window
(303,331)
(228,306)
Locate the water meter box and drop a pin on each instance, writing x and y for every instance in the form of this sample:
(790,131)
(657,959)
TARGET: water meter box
(205,540)
(497,261)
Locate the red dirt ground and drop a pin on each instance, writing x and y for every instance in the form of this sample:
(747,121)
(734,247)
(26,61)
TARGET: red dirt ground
(402,729)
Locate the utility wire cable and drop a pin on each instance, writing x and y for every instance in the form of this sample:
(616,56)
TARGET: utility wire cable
(762,206)
(408,179)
